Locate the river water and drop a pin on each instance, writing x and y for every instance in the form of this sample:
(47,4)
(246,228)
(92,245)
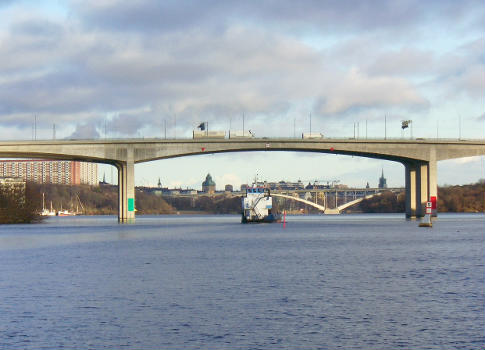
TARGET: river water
(208,282)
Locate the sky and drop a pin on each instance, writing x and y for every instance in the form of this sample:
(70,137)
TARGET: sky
(140,68)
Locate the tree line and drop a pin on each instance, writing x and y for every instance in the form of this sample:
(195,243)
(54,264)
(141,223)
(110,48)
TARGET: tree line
(453,199)
(25,206)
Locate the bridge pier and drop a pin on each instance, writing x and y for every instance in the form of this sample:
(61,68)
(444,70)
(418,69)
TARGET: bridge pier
(126,191)
(433,183)
(421,184)
(410,183)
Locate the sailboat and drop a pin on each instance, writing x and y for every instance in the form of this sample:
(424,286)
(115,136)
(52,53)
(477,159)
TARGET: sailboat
(45,211)
(64,212)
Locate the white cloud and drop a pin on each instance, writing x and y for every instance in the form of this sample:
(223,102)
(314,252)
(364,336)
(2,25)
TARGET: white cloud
(466,160)
(358,90)
(227,179)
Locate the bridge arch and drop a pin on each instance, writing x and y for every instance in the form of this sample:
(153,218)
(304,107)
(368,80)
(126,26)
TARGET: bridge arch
(324,209)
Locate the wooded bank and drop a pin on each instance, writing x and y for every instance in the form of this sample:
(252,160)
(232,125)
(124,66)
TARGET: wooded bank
(103,200)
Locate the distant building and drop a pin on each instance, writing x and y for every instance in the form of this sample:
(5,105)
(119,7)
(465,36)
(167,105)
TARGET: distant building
(64,172)
(382,181)
(228,188)
(188,191)
(208,186)
(284,185)
(316,186)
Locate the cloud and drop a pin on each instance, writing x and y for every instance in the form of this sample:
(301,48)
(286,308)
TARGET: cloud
(85,131)
(227,178)
(461,71)
(405,62)
(139,64)
(358,91)
(306,15)
(470,81)
(466,160)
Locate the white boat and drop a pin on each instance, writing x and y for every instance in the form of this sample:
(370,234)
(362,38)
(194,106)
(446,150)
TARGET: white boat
(65,213)
(257,206)
(45,211)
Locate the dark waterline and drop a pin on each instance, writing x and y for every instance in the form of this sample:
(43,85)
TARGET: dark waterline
(172,282)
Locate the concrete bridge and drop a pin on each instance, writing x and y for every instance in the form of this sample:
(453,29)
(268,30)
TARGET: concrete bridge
(325,208)
(419,157)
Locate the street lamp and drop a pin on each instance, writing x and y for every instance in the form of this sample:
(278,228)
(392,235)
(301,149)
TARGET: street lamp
(405,124)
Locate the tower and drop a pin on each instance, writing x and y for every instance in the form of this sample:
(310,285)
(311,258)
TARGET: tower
(382,181)
(208,186)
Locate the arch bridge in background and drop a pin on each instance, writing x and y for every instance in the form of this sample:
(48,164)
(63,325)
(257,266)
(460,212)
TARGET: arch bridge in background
(325,208)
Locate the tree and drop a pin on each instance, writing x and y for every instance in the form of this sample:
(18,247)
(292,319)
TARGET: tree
(19,205)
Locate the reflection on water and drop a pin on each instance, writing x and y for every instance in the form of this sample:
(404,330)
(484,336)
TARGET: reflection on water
(348,281)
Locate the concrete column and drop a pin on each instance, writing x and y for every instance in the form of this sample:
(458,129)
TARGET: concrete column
(120,192)
(433,183)
(410,177)
(433,178)
(126,188)
(422,194)
(130,190)
(122,199)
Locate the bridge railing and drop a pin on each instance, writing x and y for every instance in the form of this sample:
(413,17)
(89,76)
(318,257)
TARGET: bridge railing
(263,138)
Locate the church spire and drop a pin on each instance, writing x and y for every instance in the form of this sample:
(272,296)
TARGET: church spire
(382,180)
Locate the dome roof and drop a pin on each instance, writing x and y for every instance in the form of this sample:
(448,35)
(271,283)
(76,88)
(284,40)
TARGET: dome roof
(208,181)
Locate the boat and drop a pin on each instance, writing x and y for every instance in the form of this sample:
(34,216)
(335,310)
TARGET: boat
(257,206)
(45,211)
(65,213)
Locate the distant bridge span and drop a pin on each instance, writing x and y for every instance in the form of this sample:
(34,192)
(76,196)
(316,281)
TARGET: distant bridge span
(322,208)
(298,199)
(419,157)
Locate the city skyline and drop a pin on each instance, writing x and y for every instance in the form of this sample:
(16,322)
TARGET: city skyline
(114,69)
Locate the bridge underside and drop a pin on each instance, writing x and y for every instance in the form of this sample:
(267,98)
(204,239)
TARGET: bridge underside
(420,178)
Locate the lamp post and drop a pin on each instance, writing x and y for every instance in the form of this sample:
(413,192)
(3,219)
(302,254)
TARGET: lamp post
(385,127)
(405,124)
(243,123)
(459,127)
(310,125)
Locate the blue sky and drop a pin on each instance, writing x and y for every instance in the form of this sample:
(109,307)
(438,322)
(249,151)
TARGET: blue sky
(137,66)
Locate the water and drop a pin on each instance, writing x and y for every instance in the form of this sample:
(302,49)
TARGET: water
(207,282)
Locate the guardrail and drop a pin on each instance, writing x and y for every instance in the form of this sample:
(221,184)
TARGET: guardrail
(252,139)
